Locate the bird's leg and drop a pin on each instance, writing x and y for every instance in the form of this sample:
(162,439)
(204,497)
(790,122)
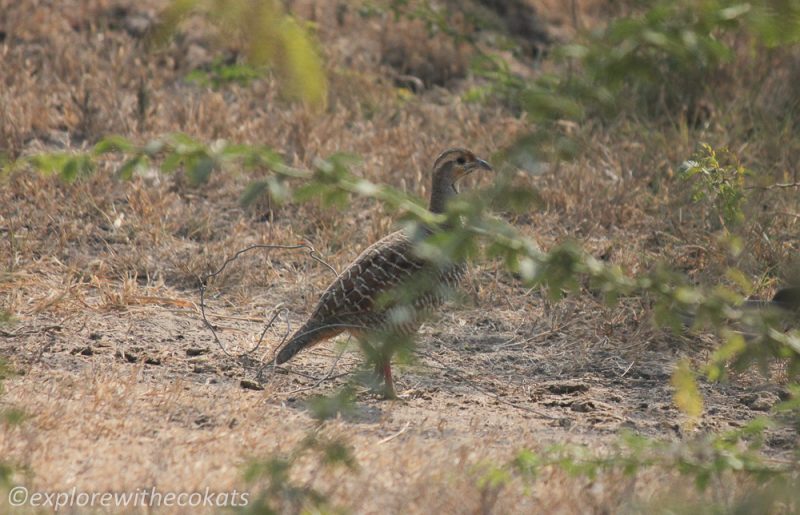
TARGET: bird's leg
(374,355)
(383,367)
(383,371)
(386,372)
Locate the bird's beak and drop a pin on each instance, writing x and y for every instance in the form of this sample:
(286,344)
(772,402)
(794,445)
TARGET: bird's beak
(481,164)
(478,164)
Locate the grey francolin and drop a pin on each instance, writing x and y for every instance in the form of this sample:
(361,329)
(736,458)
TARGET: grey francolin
(359,300)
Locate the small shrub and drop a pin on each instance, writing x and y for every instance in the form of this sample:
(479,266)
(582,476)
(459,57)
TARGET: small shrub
(717,178)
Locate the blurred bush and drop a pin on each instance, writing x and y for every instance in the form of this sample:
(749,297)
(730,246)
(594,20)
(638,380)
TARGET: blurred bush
(268,36)
(662,58)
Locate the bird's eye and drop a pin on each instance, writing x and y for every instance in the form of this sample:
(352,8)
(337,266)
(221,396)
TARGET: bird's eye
(461,160)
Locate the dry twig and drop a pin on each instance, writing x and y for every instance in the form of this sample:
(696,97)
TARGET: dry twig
(312,252)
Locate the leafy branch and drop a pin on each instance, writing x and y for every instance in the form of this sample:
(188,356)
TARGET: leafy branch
(564,268)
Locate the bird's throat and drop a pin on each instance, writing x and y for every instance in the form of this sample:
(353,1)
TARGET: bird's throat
(440,196)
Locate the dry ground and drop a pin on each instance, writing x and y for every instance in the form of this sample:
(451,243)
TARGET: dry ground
(125,389)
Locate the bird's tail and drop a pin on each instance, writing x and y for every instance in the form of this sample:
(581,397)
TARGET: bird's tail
(788,298)
(308,335)
(786,301)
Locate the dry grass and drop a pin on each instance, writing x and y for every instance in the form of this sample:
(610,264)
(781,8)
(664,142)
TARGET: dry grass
(123,387)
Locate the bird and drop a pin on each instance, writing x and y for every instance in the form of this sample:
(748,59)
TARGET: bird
(784,306)
(360,299)
(787,299)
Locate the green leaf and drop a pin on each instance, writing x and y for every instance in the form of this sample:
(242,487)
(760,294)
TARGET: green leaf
(184,144)
(276,469)
(153,147)
(687,295)
(132,166)
(338,453)
(687,396)
(527,462)
(310,190)
(254,191)
(493,478)
(113,143)
(199,169)
(365,188)
(171,162)
(324,408)
(75,167)
(13,416)
(734,11)
(734,345)
(701,479)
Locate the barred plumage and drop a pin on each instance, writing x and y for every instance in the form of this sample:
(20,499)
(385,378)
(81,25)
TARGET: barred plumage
(359,300)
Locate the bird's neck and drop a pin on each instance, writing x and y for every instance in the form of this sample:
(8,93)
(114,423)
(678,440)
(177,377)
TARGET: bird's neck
(440,196)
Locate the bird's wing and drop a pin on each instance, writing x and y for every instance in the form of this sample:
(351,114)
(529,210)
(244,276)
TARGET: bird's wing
(378,269)
(788,298)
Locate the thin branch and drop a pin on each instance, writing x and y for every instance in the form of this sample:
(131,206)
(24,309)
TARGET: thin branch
(277,311)
(392,437)
(27,332)
(779,185)
(326,377)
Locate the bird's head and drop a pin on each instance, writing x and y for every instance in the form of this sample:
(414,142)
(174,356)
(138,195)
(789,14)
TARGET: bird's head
(449,167)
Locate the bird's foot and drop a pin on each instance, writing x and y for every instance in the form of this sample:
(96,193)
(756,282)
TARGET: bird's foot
(389,394)
(383,371)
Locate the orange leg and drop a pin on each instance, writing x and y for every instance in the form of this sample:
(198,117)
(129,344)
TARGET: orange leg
(389,392)
(383,368)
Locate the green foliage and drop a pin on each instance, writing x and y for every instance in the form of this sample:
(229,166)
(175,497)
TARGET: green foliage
(702,460)
(788,411)
(717,178)
(5,373)
(565,268)
(267,35)
(173,152)
(667,55)
(69,167)
(327,407)
(5,317)
(762,345)
(776,22)
(13,416)
(661,59)
(277,491)
(8,417)
(328,174)
(219,74)
(663,56)
(687,395)
(491,481)
(437,18)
